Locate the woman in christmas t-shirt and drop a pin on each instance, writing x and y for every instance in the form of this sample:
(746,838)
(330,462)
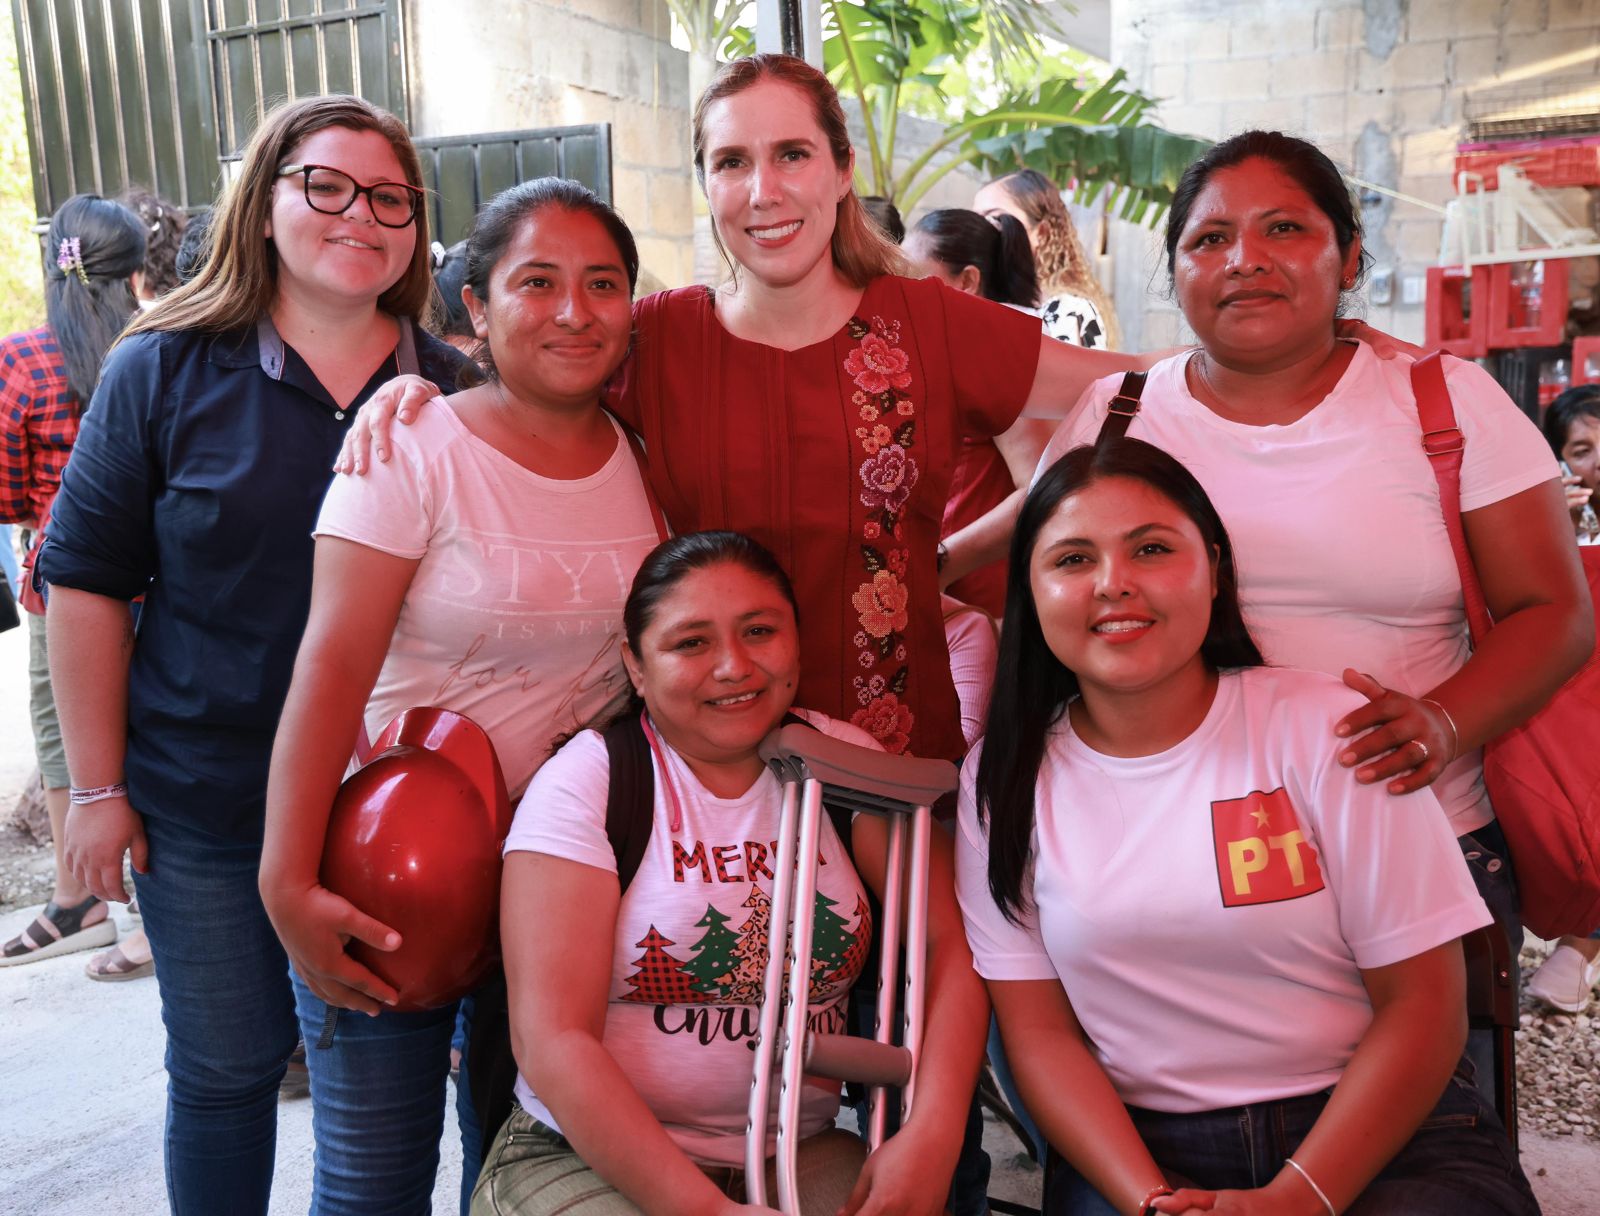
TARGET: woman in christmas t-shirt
(635,1062)
(1229,977)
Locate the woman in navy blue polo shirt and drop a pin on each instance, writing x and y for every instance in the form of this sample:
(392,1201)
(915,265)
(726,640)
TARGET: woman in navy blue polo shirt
(196,482)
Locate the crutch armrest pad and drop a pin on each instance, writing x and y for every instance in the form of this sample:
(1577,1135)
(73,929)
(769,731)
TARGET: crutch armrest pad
(910,780)
(843,1057)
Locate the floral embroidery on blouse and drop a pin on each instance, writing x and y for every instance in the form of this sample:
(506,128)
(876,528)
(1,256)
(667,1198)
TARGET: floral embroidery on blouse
(888,473)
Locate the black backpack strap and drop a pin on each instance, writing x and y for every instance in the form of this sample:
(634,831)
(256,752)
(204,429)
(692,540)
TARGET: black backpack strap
(1121,408)
(630,798)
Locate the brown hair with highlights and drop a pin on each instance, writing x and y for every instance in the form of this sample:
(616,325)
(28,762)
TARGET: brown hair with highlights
(239,279)
(861,252)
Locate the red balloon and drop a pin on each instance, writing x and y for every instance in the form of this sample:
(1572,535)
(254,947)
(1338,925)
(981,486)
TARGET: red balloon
(414,841)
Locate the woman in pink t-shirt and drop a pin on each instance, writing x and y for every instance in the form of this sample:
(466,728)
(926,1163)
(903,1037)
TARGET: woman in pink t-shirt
(636,1066)
(482,571)
(1229,978)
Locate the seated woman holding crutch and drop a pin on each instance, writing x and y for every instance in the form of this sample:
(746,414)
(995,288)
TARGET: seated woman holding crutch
(634,997)
(1228,976)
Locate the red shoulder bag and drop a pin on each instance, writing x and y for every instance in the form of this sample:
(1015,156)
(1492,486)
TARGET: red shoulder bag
(1543,776)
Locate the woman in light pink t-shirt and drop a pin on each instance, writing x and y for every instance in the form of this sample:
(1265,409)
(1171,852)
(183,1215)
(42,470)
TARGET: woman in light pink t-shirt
(483,572)
(1228,977)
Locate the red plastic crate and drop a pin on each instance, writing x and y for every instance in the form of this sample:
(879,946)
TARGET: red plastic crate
(1586,360)
(1512,323)
(1573,164)
(1457,312)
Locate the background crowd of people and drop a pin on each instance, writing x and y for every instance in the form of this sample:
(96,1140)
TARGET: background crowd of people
(895,508)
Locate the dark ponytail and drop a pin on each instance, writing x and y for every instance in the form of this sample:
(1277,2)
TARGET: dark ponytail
(996,245)
(87,296)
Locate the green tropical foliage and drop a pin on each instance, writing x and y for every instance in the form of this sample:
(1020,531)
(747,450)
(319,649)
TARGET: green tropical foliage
(1092,135)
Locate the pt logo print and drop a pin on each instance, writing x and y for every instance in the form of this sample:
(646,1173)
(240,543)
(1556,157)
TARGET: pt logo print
(1263,856)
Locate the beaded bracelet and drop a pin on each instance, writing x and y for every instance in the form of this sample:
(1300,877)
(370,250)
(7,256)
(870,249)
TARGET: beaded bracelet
(98,794)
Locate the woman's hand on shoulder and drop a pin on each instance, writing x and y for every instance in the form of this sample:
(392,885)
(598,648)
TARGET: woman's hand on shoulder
(314,925)
(1384,345)
(1395,737)
(368,435)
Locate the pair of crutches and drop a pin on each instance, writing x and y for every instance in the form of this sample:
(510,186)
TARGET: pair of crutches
(812,767)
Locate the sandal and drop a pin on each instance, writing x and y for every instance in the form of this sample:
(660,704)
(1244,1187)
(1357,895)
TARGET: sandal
(115,965)
(58,930)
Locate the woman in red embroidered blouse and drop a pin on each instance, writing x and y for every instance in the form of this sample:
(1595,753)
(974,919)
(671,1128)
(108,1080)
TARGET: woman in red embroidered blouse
(817,400)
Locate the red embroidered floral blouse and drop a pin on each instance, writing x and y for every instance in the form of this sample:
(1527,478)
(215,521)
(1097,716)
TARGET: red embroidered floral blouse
(837,457)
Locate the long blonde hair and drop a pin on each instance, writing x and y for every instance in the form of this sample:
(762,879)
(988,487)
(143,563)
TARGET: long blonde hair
(239,279)
(860,250)
(1057,253)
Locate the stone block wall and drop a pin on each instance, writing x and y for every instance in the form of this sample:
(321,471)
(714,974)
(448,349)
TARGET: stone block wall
(1378,84)
(488,65)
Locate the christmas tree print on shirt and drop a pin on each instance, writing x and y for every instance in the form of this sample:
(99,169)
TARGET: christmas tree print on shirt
(730,968)
(660,978)
(744,984)
(713,959)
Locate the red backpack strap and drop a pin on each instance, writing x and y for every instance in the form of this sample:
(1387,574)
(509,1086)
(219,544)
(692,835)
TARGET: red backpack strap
(636,445)
(1121,408)
(1444,443)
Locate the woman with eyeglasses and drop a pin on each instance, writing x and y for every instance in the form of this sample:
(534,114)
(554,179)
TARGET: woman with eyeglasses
(195,482)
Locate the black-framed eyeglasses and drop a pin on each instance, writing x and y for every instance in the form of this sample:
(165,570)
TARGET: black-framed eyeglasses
(333,192)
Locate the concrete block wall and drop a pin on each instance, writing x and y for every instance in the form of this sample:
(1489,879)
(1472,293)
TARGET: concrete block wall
(486,65)
(1378,84)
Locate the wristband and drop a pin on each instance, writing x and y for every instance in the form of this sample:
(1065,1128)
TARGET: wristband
(98,794)
(1455,733)
(1312,1183)
(1154,1193)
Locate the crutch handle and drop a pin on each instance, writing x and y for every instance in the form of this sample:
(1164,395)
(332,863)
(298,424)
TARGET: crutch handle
(844,1057)
(859,778)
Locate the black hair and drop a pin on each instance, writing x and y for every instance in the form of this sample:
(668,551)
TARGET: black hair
(88,304)
(449,276)
(498,221)
(665,566)
(997,245)
(1579,401)
(886,216)
(1032,687)
(1304,162)
(195,246)
(164,225)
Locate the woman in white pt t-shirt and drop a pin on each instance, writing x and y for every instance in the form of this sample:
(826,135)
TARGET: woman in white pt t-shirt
(484,571)
(1228,977)
(1312,451)
(635,1062)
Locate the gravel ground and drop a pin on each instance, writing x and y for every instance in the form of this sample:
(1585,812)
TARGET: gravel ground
(1558,1061)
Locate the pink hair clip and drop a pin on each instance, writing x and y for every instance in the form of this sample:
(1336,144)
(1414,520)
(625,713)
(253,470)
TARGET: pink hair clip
(69,259)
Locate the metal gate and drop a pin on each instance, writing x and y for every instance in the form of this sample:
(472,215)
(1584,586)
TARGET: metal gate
(463,172)
(161,93)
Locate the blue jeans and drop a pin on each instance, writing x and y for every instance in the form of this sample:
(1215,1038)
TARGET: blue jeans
(1459,1162)
(229,1014)
(378,1102)
(466,1113)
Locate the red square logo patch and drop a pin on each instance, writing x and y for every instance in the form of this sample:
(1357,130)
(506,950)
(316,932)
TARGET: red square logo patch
(1263,856)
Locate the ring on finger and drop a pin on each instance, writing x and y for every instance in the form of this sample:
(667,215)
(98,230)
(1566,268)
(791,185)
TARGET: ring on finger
(1423,748)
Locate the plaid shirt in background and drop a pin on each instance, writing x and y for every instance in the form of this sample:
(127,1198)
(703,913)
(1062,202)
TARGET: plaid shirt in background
(38,425)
